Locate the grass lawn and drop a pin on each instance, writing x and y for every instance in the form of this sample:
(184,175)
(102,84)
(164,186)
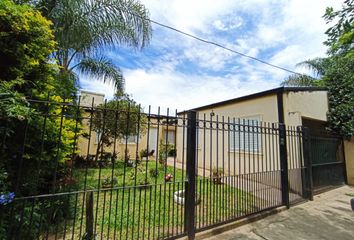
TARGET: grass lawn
(146,209)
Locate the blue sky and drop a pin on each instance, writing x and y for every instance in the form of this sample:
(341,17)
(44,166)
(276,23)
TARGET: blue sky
(180,73)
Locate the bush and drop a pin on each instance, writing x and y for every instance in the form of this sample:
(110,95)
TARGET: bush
(109,182)
(217,175)
(154,173)
(143,181)
(143,154)
(166,150)
(26,43)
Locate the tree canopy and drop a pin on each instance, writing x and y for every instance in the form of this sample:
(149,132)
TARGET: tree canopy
(26,41)
(83,29)
(341,35)
(118,119)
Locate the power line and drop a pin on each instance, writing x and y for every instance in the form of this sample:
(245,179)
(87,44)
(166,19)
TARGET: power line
(225,48)
(215,44)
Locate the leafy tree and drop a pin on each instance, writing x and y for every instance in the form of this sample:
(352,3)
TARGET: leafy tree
(26,41)
(117,119)
(36,138)
(341,34)
(83,28)
(339,80)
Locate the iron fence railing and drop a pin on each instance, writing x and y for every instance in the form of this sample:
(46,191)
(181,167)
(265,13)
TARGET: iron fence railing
(122,172)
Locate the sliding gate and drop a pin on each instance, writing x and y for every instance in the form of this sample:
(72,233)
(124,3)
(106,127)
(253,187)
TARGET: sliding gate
(242,167)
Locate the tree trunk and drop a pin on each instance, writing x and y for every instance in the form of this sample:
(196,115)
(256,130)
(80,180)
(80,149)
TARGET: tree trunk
(99,144)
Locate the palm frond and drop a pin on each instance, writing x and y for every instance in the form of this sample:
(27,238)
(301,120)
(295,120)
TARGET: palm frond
(318,68)
(103,69)
(300,81)
(316,65)
(88,25)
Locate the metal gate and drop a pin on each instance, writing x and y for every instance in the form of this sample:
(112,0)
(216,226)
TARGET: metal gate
(328,169)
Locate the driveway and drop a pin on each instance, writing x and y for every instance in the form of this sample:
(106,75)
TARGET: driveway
(329,216)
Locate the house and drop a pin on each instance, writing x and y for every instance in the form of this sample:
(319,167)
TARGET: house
(240,135)
(157,131)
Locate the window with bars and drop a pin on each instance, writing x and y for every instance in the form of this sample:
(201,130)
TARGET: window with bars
(245,135)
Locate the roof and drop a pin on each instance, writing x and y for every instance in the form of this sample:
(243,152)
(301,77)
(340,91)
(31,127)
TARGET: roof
(257,95)
(90,92)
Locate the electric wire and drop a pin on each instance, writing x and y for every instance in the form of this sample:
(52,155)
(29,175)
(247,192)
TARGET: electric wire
(214,43)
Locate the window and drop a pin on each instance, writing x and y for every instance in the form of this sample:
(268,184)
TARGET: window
(245,135)
(131,139)
(170,136)
(98,137)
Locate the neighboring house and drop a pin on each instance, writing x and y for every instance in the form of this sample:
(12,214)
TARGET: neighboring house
(292,106)
(156,133)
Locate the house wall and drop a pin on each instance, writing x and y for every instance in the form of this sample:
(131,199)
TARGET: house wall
(213,145)
(214,150)
(307,104)
(87,98)
(88,145)
(298,105)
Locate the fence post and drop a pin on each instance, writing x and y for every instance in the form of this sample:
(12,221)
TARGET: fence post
(284,165)
(89,216)
(189,207)
(306,141)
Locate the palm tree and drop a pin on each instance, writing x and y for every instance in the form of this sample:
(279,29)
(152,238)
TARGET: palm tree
(318,67)
(84,28)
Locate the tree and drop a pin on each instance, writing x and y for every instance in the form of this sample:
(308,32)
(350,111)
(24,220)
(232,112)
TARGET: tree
(341,35)
(339,80)
(26,41)
(116,120)
(36,138)
(83,29)
(339,77)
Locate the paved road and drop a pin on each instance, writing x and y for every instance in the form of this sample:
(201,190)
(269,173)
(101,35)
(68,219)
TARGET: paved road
(329,216)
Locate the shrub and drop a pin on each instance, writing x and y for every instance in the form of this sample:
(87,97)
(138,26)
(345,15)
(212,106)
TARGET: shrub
(142,181)
(217,175)
(166,150)
(154,172)
(143,154)
(109,182)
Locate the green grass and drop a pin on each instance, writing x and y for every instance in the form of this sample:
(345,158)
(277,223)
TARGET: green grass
(146,209)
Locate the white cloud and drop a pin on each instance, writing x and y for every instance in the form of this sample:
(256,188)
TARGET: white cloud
(185,14)
(207,56)
(283,33)
(180,91)
(97,86)
(218,24)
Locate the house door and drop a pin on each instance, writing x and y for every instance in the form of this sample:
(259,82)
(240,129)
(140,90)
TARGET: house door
(153,140)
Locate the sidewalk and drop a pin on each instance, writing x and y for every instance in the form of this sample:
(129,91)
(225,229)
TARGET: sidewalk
(329,216)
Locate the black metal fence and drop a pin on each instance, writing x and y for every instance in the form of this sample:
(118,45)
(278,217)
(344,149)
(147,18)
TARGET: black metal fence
(120,172)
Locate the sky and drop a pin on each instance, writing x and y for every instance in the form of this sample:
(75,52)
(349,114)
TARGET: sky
(178,72)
